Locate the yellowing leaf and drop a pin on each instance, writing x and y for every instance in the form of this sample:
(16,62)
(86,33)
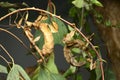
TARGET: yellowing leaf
(26,17)
(69,36)
(19,23)
(53,27)
(48,39)
(37,39)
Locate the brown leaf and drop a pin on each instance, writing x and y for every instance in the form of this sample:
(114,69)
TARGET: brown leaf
(53,27)
(69,36)
(48,39)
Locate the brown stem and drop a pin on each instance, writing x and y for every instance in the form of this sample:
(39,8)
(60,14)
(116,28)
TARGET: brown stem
(71,24)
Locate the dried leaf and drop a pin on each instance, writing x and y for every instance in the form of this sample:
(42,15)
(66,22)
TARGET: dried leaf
(26,17)
(53,27)
(41,18)
(37,39)
(69,36)
(19,23)
(48,39)
(29,23)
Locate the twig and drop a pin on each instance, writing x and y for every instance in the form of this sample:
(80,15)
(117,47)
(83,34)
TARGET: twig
(71,24)
(18,40)
(7,53)
(99,57)
(5,59)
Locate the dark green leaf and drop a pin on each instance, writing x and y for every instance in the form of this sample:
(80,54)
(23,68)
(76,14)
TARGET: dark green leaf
(109,74)
(13,5)
(98,70)
(79,77)
(62,31)
(57,36)
(73,12)
(3,69)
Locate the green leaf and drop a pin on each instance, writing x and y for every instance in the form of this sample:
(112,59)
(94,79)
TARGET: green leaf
(78,3)
(51,64)
(3,69)
(35,74)
(13,74)
(62,31)
(98,70)
(57,36)
(76,50)
(56,76)
(43,75)
(96,2)
(22,72)
(73,12)
(46,75)
(70,71)
(109,74)
(79,77)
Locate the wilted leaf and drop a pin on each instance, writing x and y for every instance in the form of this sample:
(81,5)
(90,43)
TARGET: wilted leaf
(58,36)
(53,27)
(3,69)
(48,39)
(69,36)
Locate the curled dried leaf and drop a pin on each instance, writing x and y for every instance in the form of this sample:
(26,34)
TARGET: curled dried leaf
(53,27)
(48,39)
(69,36)
(41,18)
(68,53)
(19,23)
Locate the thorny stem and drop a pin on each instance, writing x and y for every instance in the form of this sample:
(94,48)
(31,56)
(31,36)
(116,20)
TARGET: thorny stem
(71,24)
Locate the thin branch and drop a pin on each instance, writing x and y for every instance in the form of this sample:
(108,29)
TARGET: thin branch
(5,59)
(14,37)
(19,41)
(71,24)
(7,53)
(99,57)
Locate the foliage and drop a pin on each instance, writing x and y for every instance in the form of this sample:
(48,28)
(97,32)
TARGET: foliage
(51,29)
